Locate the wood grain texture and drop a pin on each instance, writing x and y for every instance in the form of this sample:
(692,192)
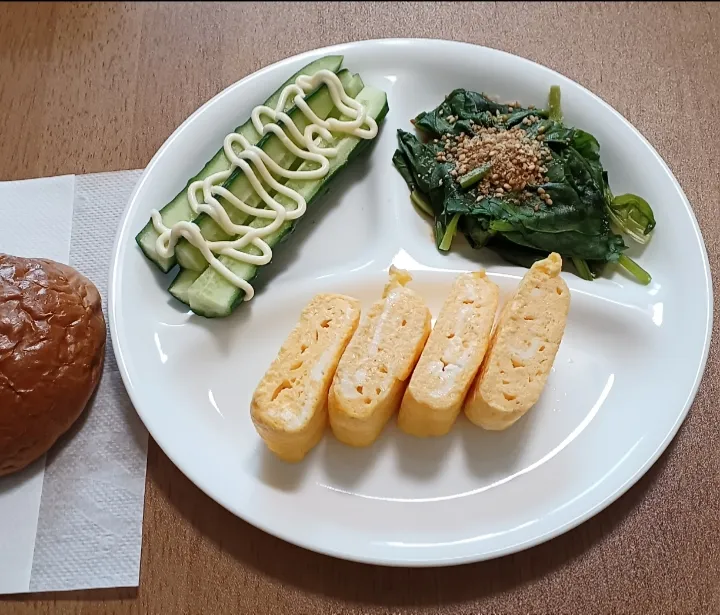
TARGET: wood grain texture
(99,87)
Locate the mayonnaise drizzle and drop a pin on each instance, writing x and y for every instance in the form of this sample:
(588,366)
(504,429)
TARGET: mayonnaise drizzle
(253,162)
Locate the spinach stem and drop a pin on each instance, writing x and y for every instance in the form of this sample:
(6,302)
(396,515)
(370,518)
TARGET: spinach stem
(474,176)
(583,268)
(419,200)
(632,267)
(449,233)
(554,109)
(501,226)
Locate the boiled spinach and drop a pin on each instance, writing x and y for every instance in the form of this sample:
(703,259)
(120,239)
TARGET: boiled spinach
(577,224)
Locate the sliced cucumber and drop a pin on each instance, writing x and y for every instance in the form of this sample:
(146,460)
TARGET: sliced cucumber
(322,105)
(181,285)
(179,208)
(212,295)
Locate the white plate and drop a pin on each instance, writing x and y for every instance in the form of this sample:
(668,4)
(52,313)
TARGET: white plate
(626,373)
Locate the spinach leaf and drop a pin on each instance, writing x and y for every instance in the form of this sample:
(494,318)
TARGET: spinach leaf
(417,197)
(516,118)
(633,215)
(469,105)
(435,122)
(401,164)
(584,177)
(515,254)
(476,230)
(585,144)
(433,179)
(428,174)
(464,105)
(552,131)
(569,226)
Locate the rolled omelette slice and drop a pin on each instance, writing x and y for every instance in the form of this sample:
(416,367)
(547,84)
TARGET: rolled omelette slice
(374,370)
(522,349)
(451,358)
(289,406)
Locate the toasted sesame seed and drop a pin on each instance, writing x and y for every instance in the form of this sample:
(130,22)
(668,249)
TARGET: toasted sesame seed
(541,191)
(549,201)
(513,153)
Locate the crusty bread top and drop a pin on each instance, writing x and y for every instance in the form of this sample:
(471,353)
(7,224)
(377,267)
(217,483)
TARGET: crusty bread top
(298,379)
(385,347)
(527,338)
(52,345)
(458,342)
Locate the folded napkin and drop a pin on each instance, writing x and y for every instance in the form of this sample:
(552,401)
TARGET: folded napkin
(73,520)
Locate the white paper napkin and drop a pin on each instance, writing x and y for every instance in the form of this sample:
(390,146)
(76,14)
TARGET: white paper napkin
(36,217)
(74,520)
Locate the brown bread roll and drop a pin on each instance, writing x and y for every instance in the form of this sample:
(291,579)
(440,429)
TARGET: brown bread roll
(52,345)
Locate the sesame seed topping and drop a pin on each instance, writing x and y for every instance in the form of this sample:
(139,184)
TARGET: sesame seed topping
(515,157)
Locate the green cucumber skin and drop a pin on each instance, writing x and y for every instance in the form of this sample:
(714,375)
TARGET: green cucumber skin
(147,237)
(238,294)
(188,256)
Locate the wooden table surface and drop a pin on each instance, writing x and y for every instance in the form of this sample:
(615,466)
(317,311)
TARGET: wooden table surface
(99,87)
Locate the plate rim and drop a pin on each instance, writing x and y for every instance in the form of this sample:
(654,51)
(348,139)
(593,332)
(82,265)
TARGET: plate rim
(295,539)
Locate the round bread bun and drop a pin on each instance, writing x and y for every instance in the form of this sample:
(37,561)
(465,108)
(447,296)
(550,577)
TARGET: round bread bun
(52,345)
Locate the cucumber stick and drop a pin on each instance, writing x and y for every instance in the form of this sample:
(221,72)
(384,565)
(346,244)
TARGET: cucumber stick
(320,101)
(211,295)
(179,208)
(181,284)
